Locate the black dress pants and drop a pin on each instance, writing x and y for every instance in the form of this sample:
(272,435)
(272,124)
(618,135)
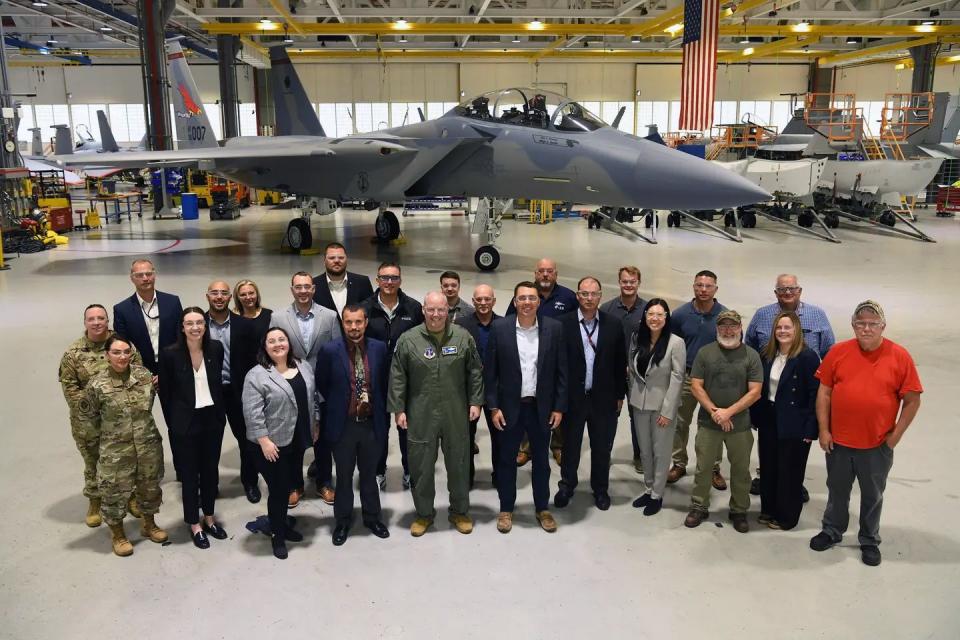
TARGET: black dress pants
(323,454)
(784,463)
(198,450)
(601,424)
(248,450)
(538,434)
(494,445)
(281,476)
(357,448)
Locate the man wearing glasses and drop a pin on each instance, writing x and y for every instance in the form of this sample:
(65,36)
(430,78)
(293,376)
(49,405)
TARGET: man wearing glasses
(149,318)
(696,324)
(597,384)
(628,308)
(869,394)
(390,312)
(817,333)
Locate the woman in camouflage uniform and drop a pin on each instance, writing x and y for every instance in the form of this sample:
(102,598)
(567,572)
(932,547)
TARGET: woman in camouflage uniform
(118,402)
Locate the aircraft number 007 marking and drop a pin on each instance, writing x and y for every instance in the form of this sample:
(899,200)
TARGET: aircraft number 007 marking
(196,134)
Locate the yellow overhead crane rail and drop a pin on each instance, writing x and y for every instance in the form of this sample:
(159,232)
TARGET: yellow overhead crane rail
(569,30)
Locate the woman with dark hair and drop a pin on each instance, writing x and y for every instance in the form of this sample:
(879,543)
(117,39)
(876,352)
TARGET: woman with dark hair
(191,397)
(246,301)
(279,412)
(786,421)
(657,363)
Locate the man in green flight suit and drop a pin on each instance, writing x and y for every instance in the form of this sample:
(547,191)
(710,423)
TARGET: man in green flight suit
(436,389)
(82,360)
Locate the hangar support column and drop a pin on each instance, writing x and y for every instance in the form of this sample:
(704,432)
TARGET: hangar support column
(227,68)
(924,65)
(152,17)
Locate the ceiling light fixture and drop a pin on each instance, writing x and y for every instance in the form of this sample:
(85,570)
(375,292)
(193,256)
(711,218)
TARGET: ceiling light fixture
(401,24)
(403,39)
(53,41)
(748,51)
(105,29)
(674,28)
(40,4)
(928,23)
(745,40)
(853,40)
(516,39)
(287,40)
(265,20)
(535,24)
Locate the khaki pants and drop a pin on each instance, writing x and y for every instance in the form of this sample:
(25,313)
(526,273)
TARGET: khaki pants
(685,416)
(709,446)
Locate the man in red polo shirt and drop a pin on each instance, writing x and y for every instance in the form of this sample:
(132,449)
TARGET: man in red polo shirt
(864,384)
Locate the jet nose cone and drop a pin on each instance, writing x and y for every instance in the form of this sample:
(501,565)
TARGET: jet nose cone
(671,179)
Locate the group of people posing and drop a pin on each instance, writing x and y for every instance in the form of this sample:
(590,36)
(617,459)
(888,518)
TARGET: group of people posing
(328,371)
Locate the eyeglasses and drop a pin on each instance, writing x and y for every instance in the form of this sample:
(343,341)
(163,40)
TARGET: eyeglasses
(867,324)
(140,275)
(788,289)
(728,327)
(527,298)
(217,292)
(588,294)
(388,278)
(125,352)
(655,314)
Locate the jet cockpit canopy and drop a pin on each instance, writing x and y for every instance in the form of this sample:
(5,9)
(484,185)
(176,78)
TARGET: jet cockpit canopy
(530,108)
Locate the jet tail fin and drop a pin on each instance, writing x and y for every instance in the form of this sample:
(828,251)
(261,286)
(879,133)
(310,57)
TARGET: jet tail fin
(193,126)
(107,141)
(295,114)
(952,125)
(64,143)
(616,121)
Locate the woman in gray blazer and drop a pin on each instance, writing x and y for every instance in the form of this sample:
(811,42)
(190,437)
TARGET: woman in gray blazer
(657,362)
(278,409)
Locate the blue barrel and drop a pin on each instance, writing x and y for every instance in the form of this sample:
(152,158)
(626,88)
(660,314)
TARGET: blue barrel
(189,209)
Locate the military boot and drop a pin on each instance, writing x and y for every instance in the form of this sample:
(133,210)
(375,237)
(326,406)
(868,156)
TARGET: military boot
(93,513)
(121,546)
(133,507)
(149,529)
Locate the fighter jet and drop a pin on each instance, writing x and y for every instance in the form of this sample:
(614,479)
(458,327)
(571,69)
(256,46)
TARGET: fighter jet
(509,143)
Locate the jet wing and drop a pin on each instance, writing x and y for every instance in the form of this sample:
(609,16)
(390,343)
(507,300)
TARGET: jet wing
(215,157)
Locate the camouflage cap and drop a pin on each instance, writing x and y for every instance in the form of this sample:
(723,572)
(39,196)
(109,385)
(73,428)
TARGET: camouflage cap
(870,305)
(729,315)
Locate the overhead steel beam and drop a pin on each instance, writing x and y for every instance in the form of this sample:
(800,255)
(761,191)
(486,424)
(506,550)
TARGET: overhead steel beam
(765,50)
(900,45)
(336,12)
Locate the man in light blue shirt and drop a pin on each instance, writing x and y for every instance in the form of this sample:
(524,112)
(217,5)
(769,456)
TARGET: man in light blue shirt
(817,333)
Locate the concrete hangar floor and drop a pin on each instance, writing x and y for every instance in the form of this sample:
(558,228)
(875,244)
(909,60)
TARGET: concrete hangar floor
(612,574)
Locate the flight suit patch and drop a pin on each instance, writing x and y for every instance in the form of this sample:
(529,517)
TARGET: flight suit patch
(449,351)
(429,353)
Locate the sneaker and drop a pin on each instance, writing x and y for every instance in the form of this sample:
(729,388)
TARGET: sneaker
(773,524)
(695,518)
(382,482)
(653,507)
(822,541)
(676,472)
(764,518)
(739,521)
(406,481)
(870,554)
(718,481)
(461,522)
(642,501)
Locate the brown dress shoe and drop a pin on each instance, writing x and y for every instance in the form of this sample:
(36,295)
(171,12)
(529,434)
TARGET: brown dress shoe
(676,472)
(557,455)
(695,518)
(504,521)
(294,499)
(718,482)
(547,523)
(523,458)
(326,494)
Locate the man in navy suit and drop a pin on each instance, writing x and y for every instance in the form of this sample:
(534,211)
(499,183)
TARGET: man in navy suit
(525,376)
(352,377)
(597,365)
(337,287)
(149,318)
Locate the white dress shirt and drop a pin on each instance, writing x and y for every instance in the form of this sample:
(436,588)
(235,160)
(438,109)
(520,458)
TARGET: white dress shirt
(390,311)
(338,291)
(151,316)
(528,345)
(776,370)
(201,387)
(589,351)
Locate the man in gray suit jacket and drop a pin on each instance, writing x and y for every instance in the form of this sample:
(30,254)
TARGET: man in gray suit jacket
(310,326)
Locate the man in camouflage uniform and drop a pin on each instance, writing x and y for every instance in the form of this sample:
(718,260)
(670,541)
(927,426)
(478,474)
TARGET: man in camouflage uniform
(118,403)
(82,360)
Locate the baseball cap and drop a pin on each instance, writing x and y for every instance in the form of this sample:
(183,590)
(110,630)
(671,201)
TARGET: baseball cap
(867,305)
(729,315)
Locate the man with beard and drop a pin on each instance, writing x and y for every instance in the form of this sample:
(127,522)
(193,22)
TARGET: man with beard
(726,379)
(337,287)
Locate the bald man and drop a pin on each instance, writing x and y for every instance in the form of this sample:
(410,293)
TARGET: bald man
(478,325)
(238,335)
(436,389)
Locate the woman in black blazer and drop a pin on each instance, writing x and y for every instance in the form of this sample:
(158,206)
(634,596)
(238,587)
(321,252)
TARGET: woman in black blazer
(786,421)
(191,396)
(246,302)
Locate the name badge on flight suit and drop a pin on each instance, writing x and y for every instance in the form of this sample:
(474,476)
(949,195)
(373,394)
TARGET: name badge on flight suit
(449,351)
(429,353)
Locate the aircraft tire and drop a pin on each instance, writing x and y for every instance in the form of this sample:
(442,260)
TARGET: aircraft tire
(299,236)
(487,258)
(748,220)
(832,220)
(887,218)
(387,226)
(805,219)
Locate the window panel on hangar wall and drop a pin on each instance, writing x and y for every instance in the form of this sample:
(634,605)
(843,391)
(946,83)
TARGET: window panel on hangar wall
(26,123)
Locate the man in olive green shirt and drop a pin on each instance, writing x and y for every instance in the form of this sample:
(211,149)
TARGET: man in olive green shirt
(436,389)
(725,379)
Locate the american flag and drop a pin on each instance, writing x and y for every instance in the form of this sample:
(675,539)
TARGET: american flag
(699,72)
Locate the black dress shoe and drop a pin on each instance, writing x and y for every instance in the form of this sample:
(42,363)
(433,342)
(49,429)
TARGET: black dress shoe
(312,470)
(642,501)
(292,535)
(378,529)
(870,554)
(200,540)
(340,534)
(804,494)
(602,500)
(216,530)
(562,498)
(279,548)
(653,507)
(253,493)
(755,487)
